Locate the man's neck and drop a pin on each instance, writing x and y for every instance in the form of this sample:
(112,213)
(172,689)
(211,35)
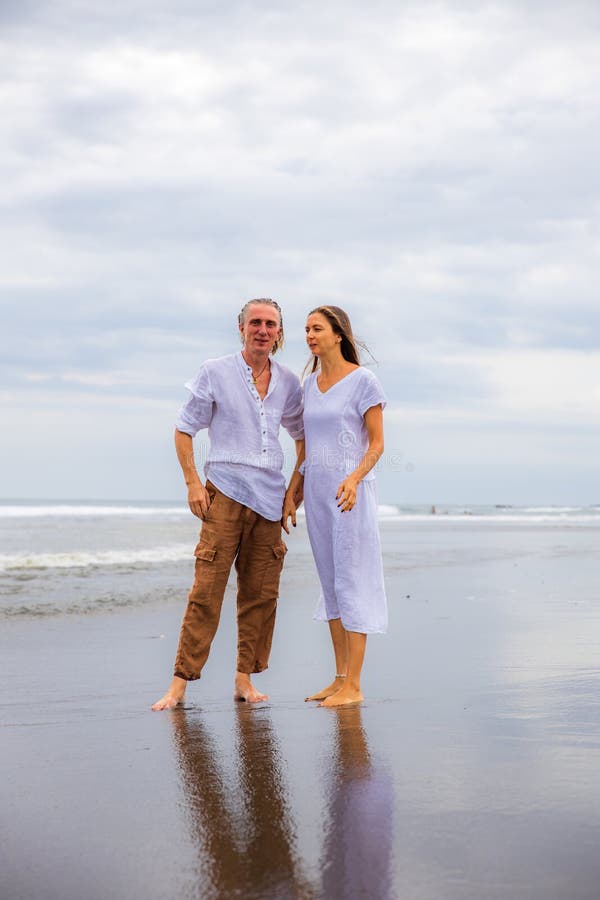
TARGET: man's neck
(256,360)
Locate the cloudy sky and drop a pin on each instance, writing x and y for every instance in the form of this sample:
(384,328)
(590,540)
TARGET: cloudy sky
(432,167)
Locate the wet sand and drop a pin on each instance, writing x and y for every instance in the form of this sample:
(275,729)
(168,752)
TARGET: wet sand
(471,770)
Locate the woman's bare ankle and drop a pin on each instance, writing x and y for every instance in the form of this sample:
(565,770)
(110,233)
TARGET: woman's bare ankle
(338,682)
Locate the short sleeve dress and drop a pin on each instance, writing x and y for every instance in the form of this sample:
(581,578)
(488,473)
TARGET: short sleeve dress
(346,546)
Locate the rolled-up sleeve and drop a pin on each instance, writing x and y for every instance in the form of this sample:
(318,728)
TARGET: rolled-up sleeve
(292,419)
(197,412)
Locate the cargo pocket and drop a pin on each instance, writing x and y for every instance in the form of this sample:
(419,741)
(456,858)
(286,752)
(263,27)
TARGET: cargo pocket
(266,575)
(205,552)
(279,551)
(204,574)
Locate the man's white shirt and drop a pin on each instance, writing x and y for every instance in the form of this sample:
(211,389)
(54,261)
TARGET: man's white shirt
(244,458)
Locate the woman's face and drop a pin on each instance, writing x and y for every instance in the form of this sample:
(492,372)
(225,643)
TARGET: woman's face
(320,336)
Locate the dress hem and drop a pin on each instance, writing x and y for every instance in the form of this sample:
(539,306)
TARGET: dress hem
(358,628)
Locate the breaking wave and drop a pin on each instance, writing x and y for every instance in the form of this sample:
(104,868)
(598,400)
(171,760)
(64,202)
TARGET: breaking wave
(86,560)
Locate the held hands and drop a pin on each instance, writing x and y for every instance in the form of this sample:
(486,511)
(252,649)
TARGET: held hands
(291,502)
(299,494)
(346,494)
(198,500)
(289,512)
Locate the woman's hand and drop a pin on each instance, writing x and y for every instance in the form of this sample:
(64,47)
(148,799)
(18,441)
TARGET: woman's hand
(289,511)
(295,491)
(299,494)
(346,494)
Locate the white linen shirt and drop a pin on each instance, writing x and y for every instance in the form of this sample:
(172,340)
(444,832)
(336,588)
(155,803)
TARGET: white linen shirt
(244,458)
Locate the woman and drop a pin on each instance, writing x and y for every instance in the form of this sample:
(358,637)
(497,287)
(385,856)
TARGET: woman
(343,423)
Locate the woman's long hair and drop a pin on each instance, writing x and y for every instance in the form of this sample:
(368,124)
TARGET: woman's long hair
(340,322)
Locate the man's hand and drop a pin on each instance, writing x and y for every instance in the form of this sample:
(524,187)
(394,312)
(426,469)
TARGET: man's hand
(289,511)
(198,500)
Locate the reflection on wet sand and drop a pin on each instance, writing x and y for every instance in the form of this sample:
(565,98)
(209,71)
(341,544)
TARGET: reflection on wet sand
(243,825)
(241,822)
(357,849)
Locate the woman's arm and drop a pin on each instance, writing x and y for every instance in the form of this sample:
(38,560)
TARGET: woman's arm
(295,490)
(346,493)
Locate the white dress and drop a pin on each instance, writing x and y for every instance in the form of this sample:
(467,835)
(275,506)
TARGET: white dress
(346,546)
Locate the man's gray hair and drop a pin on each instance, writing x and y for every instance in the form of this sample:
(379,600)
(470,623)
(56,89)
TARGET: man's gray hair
(268,302)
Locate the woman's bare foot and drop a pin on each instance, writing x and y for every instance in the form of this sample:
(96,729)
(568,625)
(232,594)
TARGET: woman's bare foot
(245,690)
(346,696)
(332,688)
(174,696)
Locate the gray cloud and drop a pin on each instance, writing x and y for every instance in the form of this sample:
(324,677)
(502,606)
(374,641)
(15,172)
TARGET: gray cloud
(430,166)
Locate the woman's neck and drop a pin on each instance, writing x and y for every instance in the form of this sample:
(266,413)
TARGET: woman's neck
(334,364)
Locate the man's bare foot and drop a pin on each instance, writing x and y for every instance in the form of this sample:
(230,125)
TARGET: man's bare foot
(245,690)
(332,688)
(174,696)
(346,696)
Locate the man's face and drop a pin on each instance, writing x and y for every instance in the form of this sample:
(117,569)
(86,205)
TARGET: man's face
(261,328)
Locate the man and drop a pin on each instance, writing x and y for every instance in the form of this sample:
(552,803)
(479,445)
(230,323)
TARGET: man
(242,399)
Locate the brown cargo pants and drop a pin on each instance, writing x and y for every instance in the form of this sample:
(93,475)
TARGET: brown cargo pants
(232,532)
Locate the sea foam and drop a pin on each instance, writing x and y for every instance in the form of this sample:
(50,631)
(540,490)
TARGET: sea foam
(94,511)
(85,560)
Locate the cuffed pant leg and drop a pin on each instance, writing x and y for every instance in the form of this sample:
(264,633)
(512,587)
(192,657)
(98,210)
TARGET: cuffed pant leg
(259,564)
(215,552)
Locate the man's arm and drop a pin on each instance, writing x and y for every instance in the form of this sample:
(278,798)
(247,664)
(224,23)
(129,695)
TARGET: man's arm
(198,498)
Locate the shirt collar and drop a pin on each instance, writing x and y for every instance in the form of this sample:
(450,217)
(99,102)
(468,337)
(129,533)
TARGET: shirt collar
(275,369)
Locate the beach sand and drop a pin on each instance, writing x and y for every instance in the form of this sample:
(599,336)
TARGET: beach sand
(471,770)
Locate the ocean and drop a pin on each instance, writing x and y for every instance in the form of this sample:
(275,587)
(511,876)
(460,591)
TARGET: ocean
(60,558)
